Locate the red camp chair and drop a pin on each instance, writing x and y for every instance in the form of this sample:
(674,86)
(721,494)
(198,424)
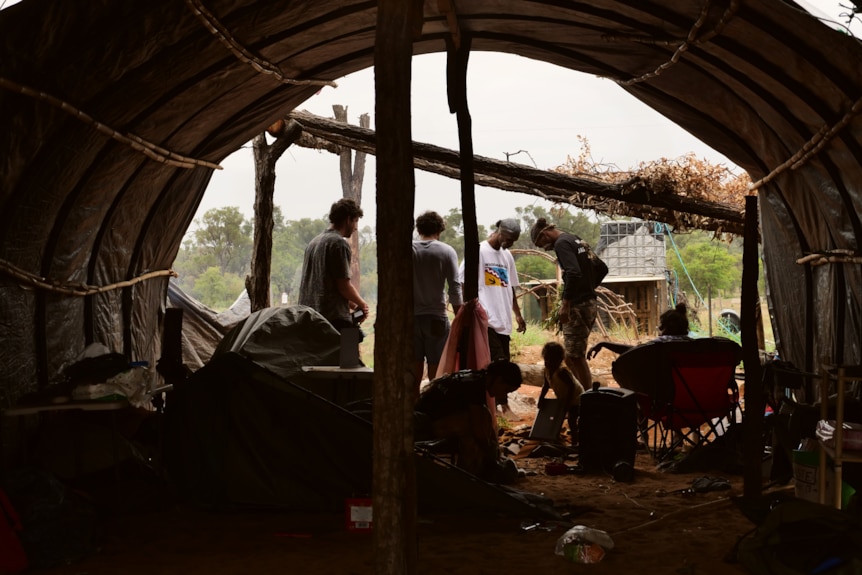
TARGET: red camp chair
(687,390)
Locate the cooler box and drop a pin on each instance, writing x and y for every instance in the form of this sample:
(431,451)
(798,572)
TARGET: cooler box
(608,429)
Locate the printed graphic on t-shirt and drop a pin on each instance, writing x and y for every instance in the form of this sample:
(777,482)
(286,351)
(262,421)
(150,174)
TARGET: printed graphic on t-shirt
(496,275)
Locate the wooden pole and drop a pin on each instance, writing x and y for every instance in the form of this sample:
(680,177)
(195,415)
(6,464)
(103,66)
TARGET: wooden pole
(394,473)
(456,78)
(755,400)
(265,157)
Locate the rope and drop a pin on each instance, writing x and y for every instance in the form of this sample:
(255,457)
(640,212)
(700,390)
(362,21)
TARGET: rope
(244,55)
(811,147)
(37,282)
(682,263)
(150,150)
(690,40)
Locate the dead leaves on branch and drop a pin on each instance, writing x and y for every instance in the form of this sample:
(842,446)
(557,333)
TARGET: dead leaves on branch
(684,177)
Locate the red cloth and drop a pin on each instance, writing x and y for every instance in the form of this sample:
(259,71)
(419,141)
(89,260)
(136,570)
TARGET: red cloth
(469,327)
(12,556)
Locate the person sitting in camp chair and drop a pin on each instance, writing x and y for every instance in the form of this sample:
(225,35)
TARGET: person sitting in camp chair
(567,389)
(672,325)
(455,407)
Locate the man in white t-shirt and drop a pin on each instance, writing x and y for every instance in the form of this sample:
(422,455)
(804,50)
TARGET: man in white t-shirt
(498,279)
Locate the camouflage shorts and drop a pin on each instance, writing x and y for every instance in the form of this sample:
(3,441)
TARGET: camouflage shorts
(576,333)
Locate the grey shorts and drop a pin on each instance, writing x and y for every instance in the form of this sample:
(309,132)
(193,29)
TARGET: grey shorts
(576,333)
(429,337)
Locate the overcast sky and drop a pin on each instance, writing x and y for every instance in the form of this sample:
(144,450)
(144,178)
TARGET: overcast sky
(515,104)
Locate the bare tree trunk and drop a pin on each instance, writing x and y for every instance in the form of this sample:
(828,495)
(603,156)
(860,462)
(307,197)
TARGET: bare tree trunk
(265,157)
(394,472)
(352,173)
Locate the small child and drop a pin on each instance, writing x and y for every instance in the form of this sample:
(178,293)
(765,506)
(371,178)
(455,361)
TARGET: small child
(567,389)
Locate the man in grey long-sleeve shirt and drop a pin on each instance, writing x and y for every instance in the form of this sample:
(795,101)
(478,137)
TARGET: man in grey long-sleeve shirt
(435,267)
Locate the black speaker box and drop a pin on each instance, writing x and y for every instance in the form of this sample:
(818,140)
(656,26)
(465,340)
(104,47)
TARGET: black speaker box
(608,431)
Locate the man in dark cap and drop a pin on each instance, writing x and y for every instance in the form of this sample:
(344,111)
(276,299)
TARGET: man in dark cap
(498,279)
(578,304)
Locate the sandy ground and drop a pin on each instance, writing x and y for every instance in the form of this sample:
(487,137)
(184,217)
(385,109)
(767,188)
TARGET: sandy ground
(654,526)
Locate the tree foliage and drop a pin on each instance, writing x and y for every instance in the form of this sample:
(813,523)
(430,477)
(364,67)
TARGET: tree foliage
(211,267)
(222,233)
(702,264)
(225,235)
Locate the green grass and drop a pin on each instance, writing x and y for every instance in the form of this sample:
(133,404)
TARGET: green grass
(535,335)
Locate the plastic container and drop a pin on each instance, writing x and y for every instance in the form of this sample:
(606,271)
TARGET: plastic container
(582,544)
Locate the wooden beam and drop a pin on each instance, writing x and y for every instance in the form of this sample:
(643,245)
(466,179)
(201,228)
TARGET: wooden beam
(632,198)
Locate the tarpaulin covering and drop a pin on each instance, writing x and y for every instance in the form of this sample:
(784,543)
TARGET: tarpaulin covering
(113,114)
(238,435)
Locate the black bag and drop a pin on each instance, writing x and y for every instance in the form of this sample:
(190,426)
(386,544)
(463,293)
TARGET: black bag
(599,267)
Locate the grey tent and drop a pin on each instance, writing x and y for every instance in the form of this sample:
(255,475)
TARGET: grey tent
(238,435)
(240,432)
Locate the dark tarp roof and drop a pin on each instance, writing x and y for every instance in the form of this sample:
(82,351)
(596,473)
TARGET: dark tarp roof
(92,91)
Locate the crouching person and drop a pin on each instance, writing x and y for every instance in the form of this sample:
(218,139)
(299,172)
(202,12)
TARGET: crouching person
(455,407)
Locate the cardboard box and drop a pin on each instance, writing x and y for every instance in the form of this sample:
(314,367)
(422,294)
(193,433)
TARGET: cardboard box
(358,514)
(806,472)
(806,476)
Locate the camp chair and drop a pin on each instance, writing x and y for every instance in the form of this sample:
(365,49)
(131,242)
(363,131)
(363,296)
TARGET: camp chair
(687,390)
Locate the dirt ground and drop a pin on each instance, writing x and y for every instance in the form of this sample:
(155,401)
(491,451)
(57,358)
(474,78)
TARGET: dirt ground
(655,527)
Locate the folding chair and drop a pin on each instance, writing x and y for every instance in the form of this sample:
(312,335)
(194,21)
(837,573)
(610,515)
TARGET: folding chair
(687,390)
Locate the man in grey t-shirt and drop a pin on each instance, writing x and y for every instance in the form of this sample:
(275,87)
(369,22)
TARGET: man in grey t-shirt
(435,266)
(325,284)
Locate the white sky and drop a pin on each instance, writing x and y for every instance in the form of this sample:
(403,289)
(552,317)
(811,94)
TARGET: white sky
(515,104)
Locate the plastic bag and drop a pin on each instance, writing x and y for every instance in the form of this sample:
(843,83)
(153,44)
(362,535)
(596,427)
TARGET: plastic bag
(582,544)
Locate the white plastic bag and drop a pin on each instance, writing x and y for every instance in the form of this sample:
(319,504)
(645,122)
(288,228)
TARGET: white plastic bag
(582,544)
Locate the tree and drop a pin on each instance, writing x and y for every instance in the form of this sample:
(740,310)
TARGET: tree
(707,263)
(368,263)
(257,283)
(535,267)
(217,290)
(454,232)
(223,235)
(352,166)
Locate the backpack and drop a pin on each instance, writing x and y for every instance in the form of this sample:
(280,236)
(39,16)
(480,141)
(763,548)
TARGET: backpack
(599,267)
(12,559)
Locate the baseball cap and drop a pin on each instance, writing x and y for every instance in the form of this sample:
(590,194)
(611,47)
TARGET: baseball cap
(510,225)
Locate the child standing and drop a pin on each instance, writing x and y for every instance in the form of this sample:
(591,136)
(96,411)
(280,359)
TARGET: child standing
(567,389)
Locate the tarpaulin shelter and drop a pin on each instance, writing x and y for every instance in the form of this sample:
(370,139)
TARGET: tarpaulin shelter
(113,116)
